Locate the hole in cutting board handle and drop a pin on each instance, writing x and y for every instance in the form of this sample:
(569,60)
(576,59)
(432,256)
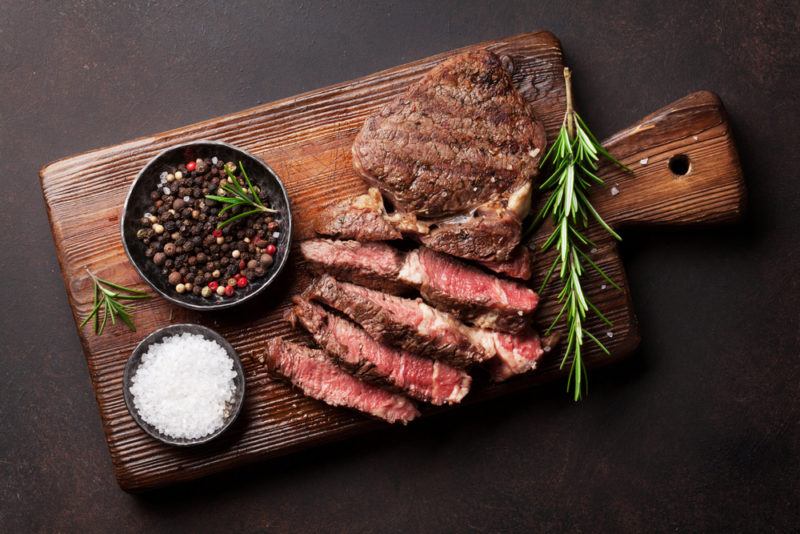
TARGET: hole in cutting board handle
(680,165)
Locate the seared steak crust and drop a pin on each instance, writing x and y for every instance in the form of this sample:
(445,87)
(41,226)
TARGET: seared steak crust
(461,137)
(361,218)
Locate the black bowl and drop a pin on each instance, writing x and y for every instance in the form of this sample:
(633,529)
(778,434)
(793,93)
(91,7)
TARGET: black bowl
(136,358)
(139,199)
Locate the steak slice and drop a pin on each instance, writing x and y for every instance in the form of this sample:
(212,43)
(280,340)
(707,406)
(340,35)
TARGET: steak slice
(404,323)
(514,354)
(364,218)
(416,327)
(360,218)
(311,371)
(467,292)
(491,234)
(422,378)
(519,265)
(460,142)
(375,265)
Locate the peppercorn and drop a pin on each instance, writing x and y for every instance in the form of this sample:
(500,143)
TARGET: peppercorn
(241,282)
(221,290)
(271,249)
(159,257)
(174,278)
(228,290)
(169,249)
(265,260)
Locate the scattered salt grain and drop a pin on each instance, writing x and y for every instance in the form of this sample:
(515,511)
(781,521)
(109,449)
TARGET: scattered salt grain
(166,191)
(593,250)
(695,138)
(214,160)
(276,235)
(644,161)
(187,198)
(614,191)
(603,286)
(610,333)
(184,386)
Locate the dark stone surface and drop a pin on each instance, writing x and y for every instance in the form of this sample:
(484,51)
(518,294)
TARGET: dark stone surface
(698,431)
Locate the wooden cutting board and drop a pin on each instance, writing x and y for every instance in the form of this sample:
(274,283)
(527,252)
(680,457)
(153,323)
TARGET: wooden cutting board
(307,141)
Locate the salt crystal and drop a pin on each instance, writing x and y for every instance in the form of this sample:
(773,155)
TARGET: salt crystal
(533,153)
(614,191)
(610,333)
(644,161)
(695,138)
(276,235)
(184,386)
(603,286)
(474,188)
(214,160)
(593,250)
(187,198)
(166,191)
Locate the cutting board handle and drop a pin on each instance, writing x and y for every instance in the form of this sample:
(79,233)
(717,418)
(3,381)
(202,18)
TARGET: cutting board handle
(684,167)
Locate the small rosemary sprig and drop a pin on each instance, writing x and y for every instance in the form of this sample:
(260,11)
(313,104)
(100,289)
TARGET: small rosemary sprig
(239,197)
(574,159)
(108,297)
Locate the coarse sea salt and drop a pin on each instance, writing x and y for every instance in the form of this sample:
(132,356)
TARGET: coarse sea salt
(184,386)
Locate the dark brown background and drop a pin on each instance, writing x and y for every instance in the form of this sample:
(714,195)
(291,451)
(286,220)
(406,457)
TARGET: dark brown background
(698,431)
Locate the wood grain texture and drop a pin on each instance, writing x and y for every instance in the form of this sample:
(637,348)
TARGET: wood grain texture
(307,139)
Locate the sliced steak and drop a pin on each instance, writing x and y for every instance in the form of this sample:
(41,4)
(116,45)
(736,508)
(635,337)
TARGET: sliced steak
(313,372)
(408,324)
(468,293)
(422,378)
(492,234)
(376,265)
(514,354)
(361,218)
(519,265)
(416,327)
(489,233)
(460,139)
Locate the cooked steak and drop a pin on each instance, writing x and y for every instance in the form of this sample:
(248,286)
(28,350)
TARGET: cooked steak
(416,327)
(361,218)
(376,265)
(491,234)
(515,354)
(422,378)
(460,139)
(468,293)
(519,265)
(404,323)
(313,372)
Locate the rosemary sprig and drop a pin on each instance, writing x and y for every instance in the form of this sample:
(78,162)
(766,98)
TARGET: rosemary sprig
(573,159)
(240,196)
(109,298)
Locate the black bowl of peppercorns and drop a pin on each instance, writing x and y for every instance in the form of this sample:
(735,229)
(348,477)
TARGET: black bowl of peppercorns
(207,225)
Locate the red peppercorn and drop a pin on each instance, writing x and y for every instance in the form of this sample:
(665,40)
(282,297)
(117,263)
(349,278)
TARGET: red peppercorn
(271,249)
(213,285)
(191,166)
(217,233)
(241,282)
(229,291)
(237,276)
(242,265)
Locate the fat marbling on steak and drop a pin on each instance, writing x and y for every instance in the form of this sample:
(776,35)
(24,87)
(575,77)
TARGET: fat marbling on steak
(421,378)
(459,148)
(318,377)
